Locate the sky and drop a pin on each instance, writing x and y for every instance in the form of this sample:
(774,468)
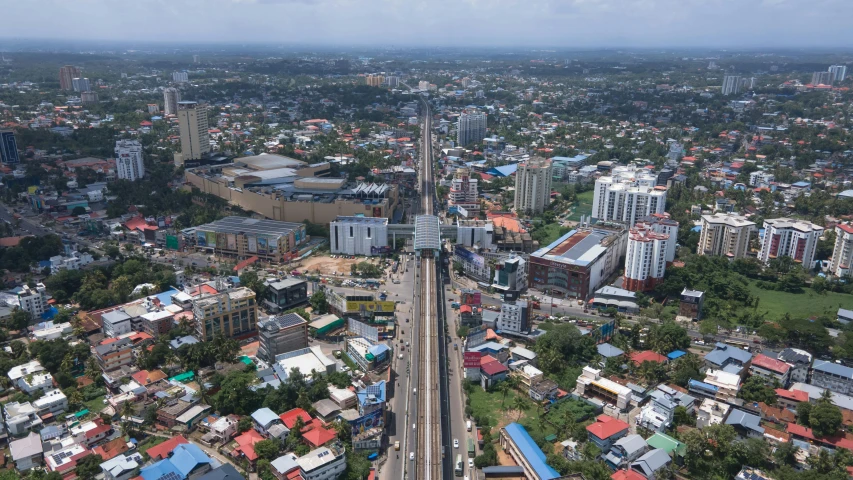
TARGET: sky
(402,23)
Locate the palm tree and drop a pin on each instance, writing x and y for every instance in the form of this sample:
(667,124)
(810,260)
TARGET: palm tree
(519,404)
(93,370)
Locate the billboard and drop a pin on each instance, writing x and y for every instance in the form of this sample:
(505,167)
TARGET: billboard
(172,242)
(363,330)
(462,211)
(385,250)
(201,239)
(471,360)
(211,239)
(262,245)
(370,306)
(476,336)
(272,245)
(253,244)
(231,241)
(468,256)
(161,222)
(470,297)
(605,332)
(373,419)
(220,240)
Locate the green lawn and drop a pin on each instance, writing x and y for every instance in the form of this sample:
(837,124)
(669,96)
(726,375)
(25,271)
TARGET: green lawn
(582,207)
(807,304)
(95,405)
(488,405)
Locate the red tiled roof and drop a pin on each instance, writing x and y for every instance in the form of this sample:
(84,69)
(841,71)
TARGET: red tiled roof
(844,226)
(605,427)
(289,417)
(493,368)
(319,436)
(111,449)
(796,395)
(159,452)
(805,432)
(246,444)
(767,363)
(647,356)
(99,430)
(245,263)
(486,359)
(627,475)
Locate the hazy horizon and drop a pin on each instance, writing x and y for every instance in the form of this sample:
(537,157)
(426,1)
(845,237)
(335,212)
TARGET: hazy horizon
(565,24)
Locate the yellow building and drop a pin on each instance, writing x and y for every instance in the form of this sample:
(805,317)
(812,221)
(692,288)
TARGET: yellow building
(375,80)
(232,314)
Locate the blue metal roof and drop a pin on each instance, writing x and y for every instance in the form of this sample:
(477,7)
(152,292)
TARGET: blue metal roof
(264,416)
(675,354)
(372,394)
(378,349)
(722,353)
(833,368)
(607,350)
(534,456)
(503,171)
(702,385)
(166,297)
(186,457)
(161,469)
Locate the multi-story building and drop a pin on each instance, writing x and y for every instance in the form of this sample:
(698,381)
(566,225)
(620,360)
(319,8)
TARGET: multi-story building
(180,77)
(281,334)
(627,195)
(463,196)
(375,80)
(605,431)
(645,261)
(115,323)
(88,97)
(842,253)
(785,237)
(359,236)
(514,317)
(760,178)
(324,463)
(832,376)
(67,74)
(533,186)
(822,78)
(392,81)
(52,402)
(129,165)
(80,84)
(511,277)
(477,234)
(471,128)
(286,294)
(20,417)
(519,445)
(171,97)
(243,238)
(195,139)
(114,355)
(773,371)
(473,264)
(800,362)
(711,412)
(423,85)
(658,414)
(33,300)
(8,148)
(725,234)
(232,314)
(838,73)
(579,262)
(663,224)
(731,84)
(158,323)
(591,384)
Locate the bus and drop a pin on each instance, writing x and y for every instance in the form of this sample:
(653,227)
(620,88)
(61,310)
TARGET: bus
(738,343)
(471,451)
(458,470)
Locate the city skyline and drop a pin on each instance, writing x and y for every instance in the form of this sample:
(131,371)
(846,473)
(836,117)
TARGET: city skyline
(573,23)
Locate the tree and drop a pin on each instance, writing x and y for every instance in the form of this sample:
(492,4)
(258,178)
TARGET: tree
(88,467)
(825,418)
(652,372)
(786,454)
(519,404)
(78,210)
(708,327)
(250,280)
(318,302)
(668,337)
(268,449)
(755,389)
(804,412)
(681,417)
(20,319)
(244,424)
(686,368)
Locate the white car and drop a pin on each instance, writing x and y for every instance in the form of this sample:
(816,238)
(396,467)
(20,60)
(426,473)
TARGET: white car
(414,391)
(411,455)
(470,463)
(455,443)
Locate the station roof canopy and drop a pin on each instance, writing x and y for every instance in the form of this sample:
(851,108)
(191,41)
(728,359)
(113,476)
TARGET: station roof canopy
(427,233)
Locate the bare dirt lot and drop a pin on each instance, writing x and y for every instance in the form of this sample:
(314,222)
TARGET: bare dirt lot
(326,265)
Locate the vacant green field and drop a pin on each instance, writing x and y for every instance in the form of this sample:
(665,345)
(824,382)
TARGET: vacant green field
(488,405)
(582,207)
(807,304)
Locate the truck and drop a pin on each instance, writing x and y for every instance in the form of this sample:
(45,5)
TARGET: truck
(536,305)
(468,425)
(397,445)
(472,452)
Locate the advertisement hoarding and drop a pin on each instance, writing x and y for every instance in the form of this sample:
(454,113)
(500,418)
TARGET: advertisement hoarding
(468,256)
(470,297)
(363,330)
(172,242)
(476,337)
(211,239)
(385,250)
(370,306)
(201,239)
(262,245)
(221,240)
(371,420)
(253,244)
(471,360)
(231,241)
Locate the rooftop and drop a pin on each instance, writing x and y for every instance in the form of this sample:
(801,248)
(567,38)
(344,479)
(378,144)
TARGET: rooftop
(578,247)
(605,427)
(531,452)
(246,225)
